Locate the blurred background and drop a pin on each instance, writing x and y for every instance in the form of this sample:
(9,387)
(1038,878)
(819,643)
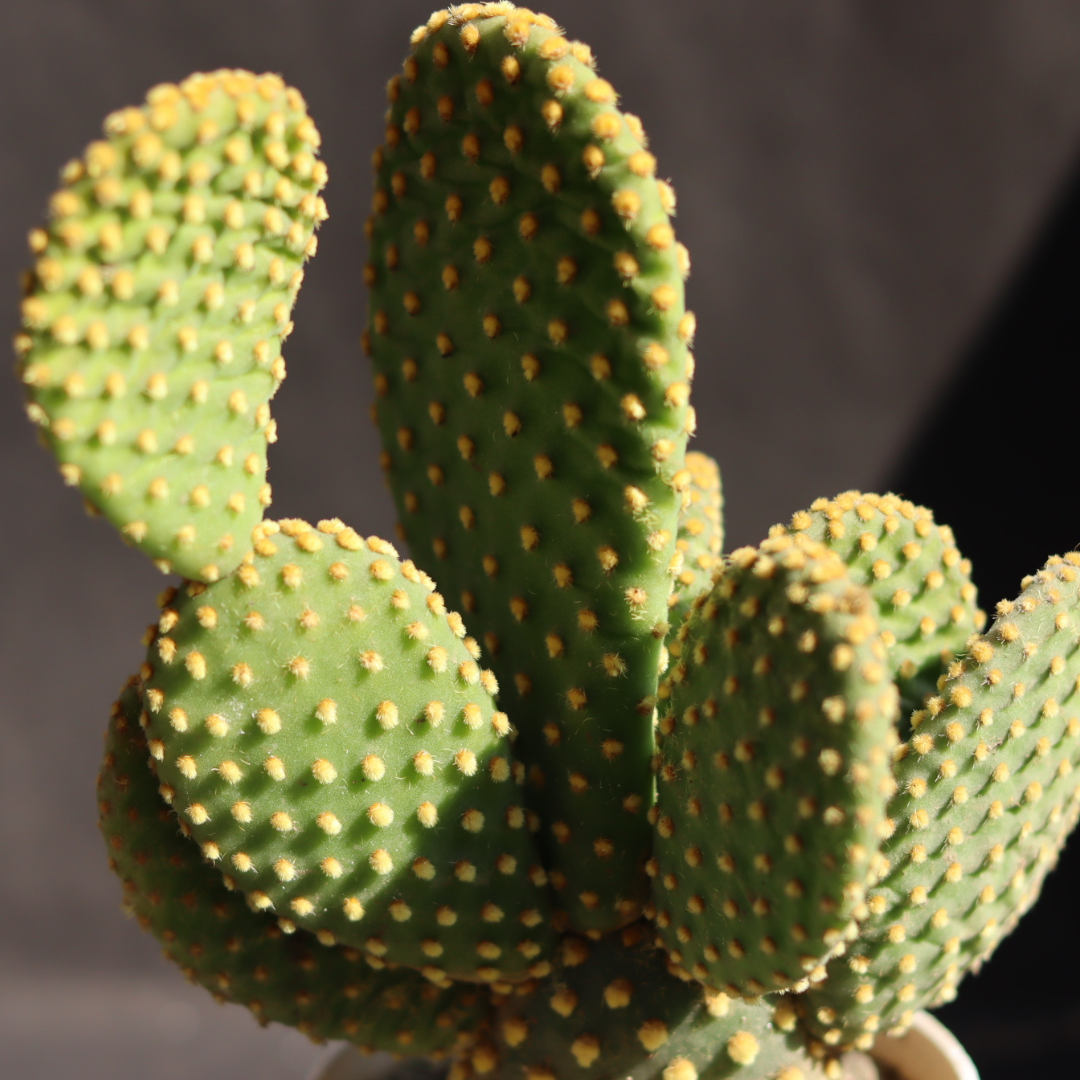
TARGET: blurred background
(883,210)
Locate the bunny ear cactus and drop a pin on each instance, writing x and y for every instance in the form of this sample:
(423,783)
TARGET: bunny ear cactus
(318,721)
(773,771)
(530,347)
(839,799)
(159,299)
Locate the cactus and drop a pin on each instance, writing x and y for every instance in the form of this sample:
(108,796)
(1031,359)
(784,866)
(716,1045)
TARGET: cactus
(691,815)
(158,302)
(529,342)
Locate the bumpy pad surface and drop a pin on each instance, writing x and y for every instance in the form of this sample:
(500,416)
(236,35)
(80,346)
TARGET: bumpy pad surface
(988,794)
(700,538)
(774,769)
(160,297)
(922,585)
(529,341)
(243,956)
(612,1010)
(329,738)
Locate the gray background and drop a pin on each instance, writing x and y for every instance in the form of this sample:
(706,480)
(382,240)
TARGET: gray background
(855,182)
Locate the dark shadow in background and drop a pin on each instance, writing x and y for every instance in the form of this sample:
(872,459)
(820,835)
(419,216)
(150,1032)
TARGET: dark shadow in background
(999,461)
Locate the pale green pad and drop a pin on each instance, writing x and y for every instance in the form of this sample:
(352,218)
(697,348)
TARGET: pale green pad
(700,539)
(530,346)
(160,297)
(243,956)
(773,770)
(322,727)
(988,794)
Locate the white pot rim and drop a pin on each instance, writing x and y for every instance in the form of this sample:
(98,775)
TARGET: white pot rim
(929,1051)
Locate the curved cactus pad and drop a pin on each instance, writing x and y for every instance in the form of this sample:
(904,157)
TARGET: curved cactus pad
(700,538)
(529,342)
(773,762)
(613,1010)
(159,300)
(988,793)
(246,957)
(912,567)
(330,739)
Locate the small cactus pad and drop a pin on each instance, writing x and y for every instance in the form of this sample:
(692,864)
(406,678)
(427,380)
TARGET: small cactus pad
(612,1011)
(773,769)
(161,294)
(530,347)
(988,793)
(321,726)
(913,570)
(700,538)
(243,956)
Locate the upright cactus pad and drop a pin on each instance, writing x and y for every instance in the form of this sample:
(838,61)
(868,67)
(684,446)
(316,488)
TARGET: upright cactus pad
(700,538)
(612,1010)
(161,294)
(530,347)
(988,793)
(329,738)
(913,570)
(773,770)
(244,956)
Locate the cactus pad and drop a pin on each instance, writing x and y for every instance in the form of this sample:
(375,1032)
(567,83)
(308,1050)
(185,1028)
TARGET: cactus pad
(913,570)
(700,538)
(530,347)
(612,1010)
(161,294)
(321,726)
(243,956)
(988,793)
(773,769)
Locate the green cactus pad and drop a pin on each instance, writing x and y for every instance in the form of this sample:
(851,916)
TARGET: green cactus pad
(243,956)
(773,770)
(160,297)
(988,793)
(331,741)
(700,538)
(915,573)
(612,1010)
(530,347)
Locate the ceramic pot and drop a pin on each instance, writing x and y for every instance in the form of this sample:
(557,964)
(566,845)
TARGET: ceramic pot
(929,1051)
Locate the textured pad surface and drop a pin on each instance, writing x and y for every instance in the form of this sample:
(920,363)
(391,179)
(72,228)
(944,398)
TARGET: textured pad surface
(612,1011)
(159,300)
(331,740)
(243,956)
(988,794)
(700,538)
(529,342)
(774,769)
(912,567)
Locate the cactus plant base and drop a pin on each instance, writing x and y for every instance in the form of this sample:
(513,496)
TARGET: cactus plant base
(929,1051)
